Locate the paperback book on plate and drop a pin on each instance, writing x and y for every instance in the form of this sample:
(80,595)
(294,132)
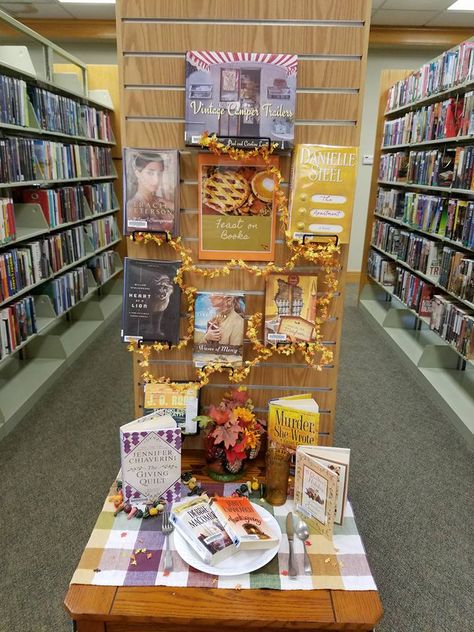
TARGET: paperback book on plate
(243,523)
(293,420)
(151,190)
(150,451)
(202,529)
(219,328)
(151,304)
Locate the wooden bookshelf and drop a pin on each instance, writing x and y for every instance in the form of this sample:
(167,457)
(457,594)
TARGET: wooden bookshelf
(34,364)
(331,40)
(439,367)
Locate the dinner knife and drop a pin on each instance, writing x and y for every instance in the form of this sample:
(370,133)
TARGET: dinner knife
(290,532)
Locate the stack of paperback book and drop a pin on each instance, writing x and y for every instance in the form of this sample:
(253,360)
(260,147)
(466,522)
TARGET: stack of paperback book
(220,527)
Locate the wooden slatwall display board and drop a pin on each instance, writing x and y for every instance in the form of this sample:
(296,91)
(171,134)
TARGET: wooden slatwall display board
(331,39)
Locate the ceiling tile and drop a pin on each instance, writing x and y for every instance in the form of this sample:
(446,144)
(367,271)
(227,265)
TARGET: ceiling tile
(453,18)
(33,10)
(92,11)
(417,5)
(403,18)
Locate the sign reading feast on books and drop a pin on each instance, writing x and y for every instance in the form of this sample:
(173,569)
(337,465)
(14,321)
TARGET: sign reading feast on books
(219,328)
(293,420)
(237,215)
(151,190)
(290,308)
(163,399)
(323,180)
(315,491)
(150,451)
(151,301)
(241,97)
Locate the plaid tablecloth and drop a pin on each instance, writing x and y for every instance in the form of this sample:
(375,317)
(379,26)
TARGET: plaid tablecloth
(123,552)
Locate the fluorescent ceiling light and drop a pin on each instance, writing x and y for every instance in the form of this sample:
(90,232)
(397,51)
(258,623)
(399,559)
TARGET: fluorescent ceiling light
(462,5)
(87,1)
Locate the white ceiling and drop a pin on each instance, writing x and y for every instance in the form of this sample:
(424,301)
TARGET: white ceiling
(384,12)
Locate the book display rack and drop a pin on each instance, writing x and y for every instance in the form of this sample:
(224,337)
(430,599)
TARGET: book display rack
(153,40)
(419,250)
(59,222)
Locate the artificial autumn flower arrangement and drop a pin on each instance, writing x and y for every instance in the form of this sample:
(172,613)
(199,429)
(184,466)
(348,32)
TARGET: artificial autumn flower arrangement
(233,434)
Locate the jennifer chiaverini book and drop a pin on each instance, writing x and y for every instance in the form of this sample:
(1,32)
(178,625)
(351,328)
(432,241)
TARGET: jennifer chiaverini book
(293,420)
(150,451)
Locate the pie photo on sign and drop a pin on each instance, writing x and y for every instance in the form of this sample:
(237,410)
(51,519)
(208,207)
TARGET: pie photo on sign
(237,208)
(241,190)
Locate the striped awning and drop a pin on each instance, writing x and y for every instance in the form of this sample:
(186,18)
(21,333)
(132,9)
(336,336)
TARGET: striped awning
(202,59)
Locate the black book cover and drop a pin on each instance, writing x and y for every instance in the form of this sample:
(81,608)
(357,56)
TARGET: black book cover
(151,302)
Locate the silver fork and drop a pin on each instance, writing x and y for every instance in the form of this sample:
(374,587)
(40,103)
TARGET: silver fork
(167,528)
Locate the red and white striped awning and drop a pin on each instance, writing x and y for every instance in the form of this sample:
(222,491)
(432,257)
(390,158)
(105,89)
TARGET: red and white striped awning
(202,59)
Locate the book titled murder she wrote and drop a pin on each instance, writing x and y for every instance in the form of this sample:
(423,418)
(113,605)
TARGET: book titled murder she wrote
(293,421)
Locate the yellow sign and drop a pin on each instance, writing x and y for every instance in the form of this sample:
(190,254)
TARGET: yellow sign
(323,179)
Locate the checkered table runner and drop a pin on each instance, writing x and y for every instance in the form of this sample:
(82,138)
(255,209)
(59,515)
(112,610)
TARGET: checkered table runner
(111,558)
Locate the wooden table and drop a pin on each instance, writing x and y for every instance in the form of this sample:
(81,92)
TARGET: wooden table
(158,608)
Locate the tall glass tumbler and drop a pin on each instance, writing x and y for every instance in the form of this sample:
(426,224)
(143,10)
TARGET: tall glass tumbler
(277,461)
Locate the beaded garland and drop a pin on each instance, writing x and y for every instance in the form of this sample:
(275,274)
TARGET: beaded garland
(315,354)
(153,509)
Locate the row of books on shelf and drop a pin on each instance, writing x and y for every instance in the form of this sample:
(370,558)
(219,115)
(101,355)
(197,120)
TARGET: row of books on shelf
(445,217)
(445,266)
(452,68)
(53,112)
(38,259)
(68,204)
(452,321)
(25,159)
(151,311)
(18,320)
(448,167)
(17,323)
(445,119)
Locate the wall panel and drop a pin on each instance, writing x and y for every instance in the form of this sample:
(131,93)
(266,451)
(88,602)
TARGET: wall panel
(332,39)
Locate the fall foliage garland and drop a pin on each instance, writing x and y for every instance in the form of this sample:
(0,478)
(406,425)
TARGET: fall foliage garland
(315,354)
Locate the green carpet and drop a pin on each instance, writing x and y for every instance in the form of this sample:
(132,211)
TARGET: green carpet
(410,485)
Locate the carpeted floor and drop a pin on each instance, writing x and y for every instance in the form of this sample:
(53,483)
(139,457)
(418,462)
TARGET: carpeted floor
(411,485)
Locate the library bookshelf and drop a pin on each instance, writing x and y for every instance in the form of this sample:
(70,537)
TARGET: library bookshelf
(411,212)
(73,287)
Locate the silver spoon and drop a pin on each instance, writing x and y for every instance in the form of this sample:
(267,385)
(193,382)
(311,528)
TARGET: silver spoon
(302,532)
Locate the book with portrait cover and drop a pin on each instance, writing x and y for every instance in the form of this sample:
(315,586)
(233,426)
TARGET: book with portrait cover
(151,301)
(150,451)
(290,308)
(203,531)
(293,420)
(243,523)
(246,99)
(151,190)
(237,214)
(181,404)
(219,319)
(315,492)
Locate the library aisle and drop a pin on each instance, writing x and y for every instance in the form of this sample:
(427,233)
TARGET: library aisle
(417,531)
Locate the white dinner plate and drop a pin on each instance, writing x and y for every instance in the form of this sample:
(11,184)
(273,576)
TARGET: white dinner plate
(240,562)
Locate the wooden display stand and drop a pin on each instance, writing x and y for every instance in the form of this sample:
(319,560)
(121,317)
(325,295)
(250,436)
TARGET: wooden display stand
(153,36)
